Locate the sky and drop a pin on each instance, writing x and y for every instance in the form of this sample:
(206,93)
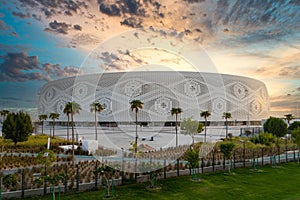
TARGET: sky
(44,40)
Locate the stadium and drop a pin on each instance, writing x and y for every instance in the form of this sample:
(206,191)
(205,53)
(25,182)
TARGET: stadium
(245,98)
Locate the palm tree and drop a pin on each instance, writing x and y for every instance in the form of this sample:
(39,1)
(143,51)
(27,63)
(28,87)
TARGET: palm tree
(205,114)
(42,118)
(226,116)
(176,111)
(97,108)
(289,118)
(136,105)
(53,116)
(67,111)
(74,109)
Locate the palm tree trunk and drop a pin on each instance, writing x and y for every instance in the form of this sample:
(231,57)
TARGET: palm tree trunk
(68,135)
(96,135)
(226,127)
(72,119)
(42,127)
(136,129)
(53,128)
(205,130)
(176,130)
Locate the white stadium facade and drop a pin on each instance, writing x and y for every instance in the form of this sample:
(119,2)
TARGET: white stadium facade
(245,98)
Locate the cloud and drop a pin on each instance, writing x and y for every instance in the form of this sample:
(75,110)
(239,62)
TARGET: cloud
(283,67)
(84,39)
(58,72)
(19,67)
(3,26)
(77,27)
(132,22)
(21,15)
(58,27)
(287,103)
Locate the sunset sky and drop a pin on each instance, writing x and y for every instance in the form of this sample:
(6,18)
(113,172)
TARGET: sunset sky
(44,40)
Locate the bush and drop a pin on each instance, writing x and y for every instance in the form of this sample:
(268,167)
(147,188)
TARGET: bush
(294,125)
(9,180)
(264,139)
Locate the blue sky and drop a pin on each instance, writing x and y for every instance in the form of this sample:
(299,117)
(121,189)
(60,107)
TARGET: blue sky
(44,40)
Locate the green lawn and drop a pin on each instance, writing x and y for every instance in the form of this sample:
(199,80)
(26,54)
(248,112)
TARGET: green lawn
(266,183)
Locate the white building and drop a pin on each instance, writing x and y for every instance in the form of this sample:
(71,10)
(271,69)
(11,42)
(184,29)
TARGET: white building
(245,98)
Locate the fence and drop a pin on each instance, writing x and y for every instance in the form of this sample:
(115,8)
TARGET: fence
(81,177)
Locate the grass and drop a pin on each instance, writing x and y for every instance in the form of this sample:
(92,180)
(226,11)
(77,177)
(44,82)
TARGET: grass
(265,183)
(40,140)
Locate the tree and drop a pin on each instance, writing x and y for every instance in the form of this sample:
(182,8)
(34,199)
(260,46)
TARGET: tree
(67,110)
(275,126)
(75,108)
(296,138)
(192,156)
(294,125)
(135,105)
(107,173)
(17,127)
(227,149)
(42,118)
(97,108)
(205,114)
(226,116)
(289,118)
(176,112)
(53,116)
(189,127)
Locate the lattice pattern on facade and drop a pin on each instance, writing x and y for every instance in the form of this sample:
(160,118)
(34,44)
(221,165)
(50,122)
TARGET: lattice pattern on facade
(160,91)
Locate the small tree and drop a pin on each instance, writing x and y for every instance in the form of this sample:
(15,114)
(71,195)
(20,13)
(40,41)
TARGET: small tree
(192,156)
(42,118)
(17,127)
(227,149)
(107,173)
(46,157)
(53,116)
(275,126)
(190,127)
(296,138)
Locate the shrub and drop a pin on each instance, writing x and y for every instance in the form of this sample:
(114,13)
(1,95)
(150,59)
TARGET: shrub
(264,138)
(9,180)
(294,125)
